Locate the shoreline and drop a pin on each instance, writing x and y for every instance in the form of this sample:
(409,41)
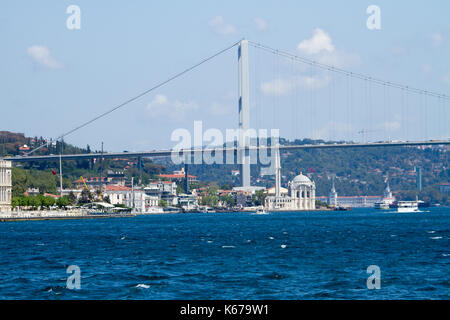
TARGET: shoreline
(68,217)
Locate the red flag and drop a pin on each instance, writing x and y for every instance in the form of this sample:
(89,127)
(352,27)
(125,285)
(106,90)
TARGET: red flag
(311,170)
(54,172)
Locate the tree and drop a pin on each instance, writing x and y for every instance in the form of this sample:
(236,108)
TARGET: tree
(162,203)
(47,202)
(228,199)
(226,186)
(86,197)
(258,198)
(62,201)
(34,202)
(19,179)
(71,198)
(210,200)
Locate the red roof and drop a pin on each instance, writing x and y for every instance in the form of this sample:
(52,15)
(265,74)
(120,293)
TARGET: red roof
(51,195)
(176,176)
(117,188)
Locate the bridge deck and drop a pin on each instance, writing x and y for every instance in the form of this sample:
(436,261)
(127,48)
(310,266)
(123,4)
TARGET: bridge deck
(165,153)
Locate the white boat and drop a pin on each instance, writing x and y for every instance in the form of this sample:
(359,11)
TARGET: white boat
(383,205)
(261,210)
(408,206)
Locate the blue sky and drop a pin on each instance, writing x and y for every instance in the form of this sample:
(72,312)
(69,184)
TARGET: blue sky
(54,78)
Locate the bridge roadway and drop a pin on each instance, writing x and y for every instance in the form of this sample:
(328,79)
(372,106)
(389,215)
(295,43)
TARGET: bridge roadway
(165,153)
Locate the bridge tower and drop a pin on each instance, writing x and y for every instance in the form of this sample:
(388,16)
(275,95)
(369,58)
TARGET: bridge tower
(244,112)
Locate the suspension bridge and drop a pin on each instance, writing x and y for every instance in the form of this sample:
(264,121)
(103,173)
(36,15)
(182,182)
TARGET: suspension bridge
(315,89)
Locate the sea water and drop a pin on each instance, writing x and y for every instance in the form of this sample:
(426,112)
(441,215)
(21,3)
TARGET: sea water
(289,255)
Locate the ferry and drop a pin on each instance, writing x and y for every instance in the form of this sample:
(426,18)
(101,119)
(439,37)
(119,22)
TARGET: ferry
(407,206)
(383,205)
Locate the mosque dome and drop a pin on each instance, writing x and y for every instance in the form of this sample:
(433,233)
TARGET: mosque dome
(301,180)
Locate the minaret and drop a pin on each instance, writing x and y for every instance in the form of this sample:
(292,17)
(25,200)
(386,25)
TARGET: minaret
(244,112)
(277,173)
(387,190)
(333,195)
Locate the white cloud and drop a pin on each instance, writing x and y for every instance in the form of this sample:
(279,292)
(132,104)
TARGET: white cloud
(261,24)
(321,49)
(437,39)
(319,41)
(42,56)
(281,86)
(221,27)
(176,110)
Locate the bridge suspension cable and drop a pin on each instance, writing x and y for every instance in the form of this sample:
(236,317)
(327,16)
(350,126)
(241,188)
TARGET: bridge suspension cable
(178,75)
(348,73)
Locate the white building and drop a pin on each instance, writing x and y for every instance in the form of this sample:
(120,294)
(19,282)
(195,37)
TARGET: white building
(301,192)
(301,196)
(136,199)
(5,186)
(188,201)
(164,190)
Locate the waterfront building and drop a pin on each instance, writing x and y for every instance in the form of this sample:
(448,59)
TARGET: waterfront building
(353,201)
(164,190)
(132,198)
(117,194)
(151,202)
(301,192)
(5,186)
(188,201)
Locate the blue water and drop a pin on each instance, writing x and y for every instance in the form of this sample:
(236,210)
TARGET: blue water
(302,255)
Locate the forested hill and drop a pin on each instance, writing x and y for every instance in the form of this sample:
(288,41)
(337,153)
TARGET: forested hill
(12,144)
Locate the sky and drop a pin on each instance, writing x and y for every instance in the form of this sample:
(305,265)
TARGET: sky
(55,78)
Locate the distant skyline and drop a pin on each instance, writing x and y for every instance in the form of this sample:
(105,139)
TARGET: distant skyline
(55,78)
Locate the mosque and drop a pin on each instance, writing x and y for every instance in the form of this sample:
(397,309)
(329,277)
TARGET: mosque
(301,193)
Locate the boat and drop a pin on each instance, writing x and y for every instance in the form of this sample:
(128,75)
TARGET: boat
(261,210)
(206,209)
(383,205)
(341,208)
(407,206)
